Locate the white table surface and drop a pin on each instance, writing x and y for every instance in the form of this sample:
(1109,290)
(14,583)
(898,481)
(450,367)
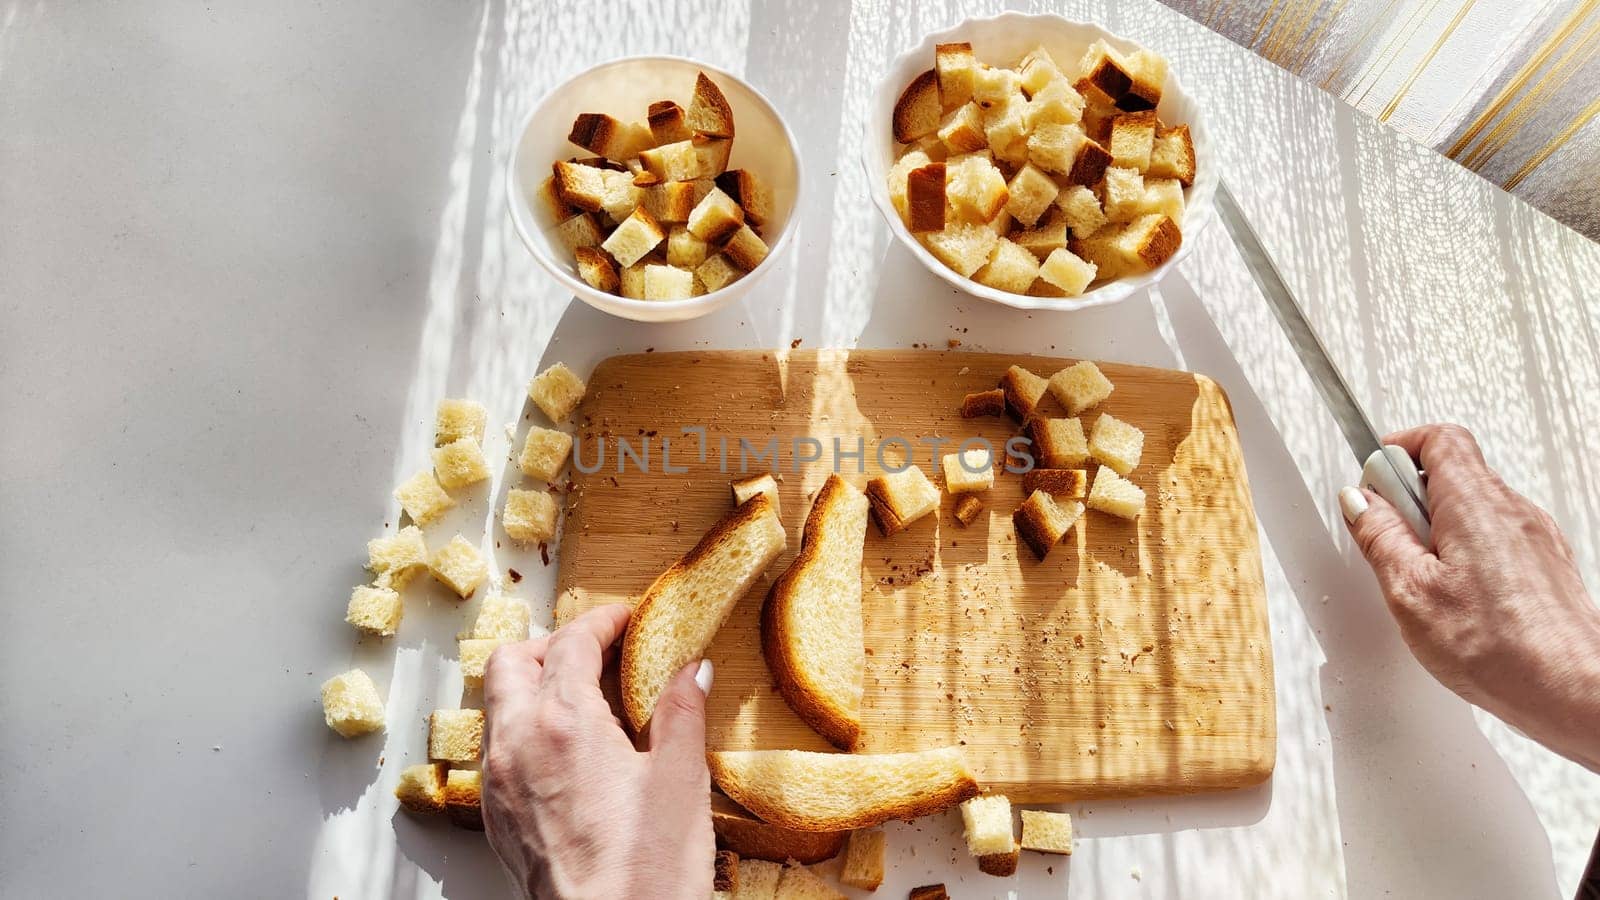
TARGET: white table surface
(244,253)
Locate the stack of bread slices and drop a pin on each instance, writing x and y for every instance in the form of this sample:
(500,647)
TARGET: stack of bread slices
(1033,181)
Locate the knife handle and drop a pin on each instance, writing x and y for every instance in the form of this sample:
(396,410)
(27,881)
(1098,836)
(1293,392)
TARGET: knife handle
(1381,476)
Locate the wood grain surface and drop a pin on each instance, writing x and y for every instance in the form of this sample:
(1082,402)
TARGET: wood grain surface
(1134,660)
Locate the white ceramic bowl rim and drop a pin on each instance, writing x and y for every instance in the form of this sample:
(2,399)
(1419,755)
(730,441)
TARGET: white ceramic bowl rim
(561,272)
(1197,203)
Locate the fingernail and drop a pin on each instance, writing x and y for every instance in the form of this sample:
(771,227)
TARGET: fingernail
(702,677)
(1352,503)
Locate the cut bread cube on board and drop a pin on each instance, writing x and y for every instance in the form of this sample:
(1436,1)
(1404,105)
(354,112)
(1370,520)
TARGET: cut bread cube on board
(610,138)
(745,488)
(474,655)
(423,499)
(677,161)
(667,283)
(1067,272)
(986,825)
(709,111)
(597,270)
(1059,443)
(1041,522)
(502,616)
(1072,484)
(351,705)
(375,610)
(925,198)
(556,391)
(863,859)
(900,174)
(811,627)
(686,606)
(1042,240)
(530,517)
(1132,138)
(964,247)
(636,236)
(717,272)
(975,187)
(421,788)
(715,217)
(1080,386)
(1172,155)
(901,498)
(967,509)
(1011,268)
(812,791)
(1031,192)
(954,65)
(750,192)
(460,464)
(1124,191)
(396,559)
(668,123)
(1022,391)
(1115,495)
(1081,209)
(968,471)
(455,419)
(800,883)
(983,403)
(918,110)
(751,838)
(544,453)
(684,249)
(459,566)
(1047,832)
(455,735)
(463,798)
(744,248)
(961,131)
(1116,443)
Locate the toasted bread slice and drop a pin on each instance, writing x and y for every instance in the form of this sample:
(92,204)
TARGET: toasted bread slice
(682,611)
(811,631)
(918,110)
(840,791)
(751,838)
(709,112)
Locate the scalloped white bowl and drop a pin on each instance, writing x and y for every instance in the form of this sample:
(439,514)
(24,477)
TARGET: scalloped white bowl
(1002,40)
(624,88)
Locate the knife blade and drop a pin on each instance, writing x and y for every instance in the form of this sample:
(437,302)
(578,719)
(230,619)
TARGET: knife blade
(1386,470)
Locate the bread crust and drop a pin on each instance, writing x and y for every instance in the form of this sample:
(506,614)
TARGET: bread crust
(925,197)
(1162,243)
(1090,165)
(1034,530)
(709,112)
(967,509)
(984,403)
(929,892)
(752,797)
(918,110)
(1003,865)
(1016,391)
(842,727)
(751,838)
(1073,483)
(634,644)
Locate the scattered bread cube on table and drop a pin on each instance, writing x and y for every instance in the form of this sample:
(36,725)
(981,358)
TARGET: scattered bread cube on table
(375,609)
(863,859)
(458,419)
(900,498)
(423,498)
(556,391)
(396,559)
(968,471)
(351,705)
(502,616)
(474,656)
(530,516)
(1047,832)
(1116,443)
(421,788)
(455,735)
(987,824)
(1041,522)
(1080,386)
(459,566)
(1115,495)
(544,453)
(460,464)
(463,798)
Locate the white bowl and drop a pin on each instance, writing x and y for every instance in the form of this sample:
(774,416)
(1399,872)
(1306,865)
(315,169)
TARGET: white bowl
(624,88)
(1002,40)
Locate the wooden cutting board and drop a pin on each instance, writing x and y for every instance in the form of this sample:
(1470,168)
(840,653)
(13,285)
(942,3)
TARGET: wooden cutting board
(1134,660)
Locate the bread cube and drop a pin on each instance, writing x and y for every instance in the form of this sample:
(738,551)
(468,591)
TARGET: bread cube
(676,161)
(474,655)
(1047,832)
(976,188)
(548,199)
(1055,147)
(459,566)
(460,464)
(1132,138)
(1054,104)
(1124,194)
(967,509)
(1115,495)
(597,270)
(351,705)
(983,403)
(745,249)
(1081,209)
(1137,246)
(1002,224)
(669,202)
(455,735)
(667,283)
(1010,268)
(1069,483)
(717,272)
(1059,443)
(759,878)
(375,610)
(1042,240)
(1005,125)
(900,173)
(991,85)
(901,498)
(636,236)
(684,249)
(745,488)
(968,471)
(621,196)
(1023,391)
(463,798)
(925,198)
(800,883)
(632,281)
(962,130)
(579,231)
(711,155)
(502,616)
(422,498)
(668,123)
(1080,386)
(544,453)
(459,419)
(929,892)
(863,859)
(934,148)
(987,823)
(580,186)
(421,788)
(396,559)
(954,66)
(1164,196)
(1131,81)
(709,111)
(917,111)
(556,391)
(1031,193)
(1172,155)
(750,192)
(716,217)
(1063,269)
(1041,522)
(599,133)
(1116,443)
(963,247)
(530,516)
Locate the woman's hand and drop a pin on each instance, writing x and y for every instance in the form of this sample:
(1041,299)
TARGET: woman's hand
(1498,612)
(569,805)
